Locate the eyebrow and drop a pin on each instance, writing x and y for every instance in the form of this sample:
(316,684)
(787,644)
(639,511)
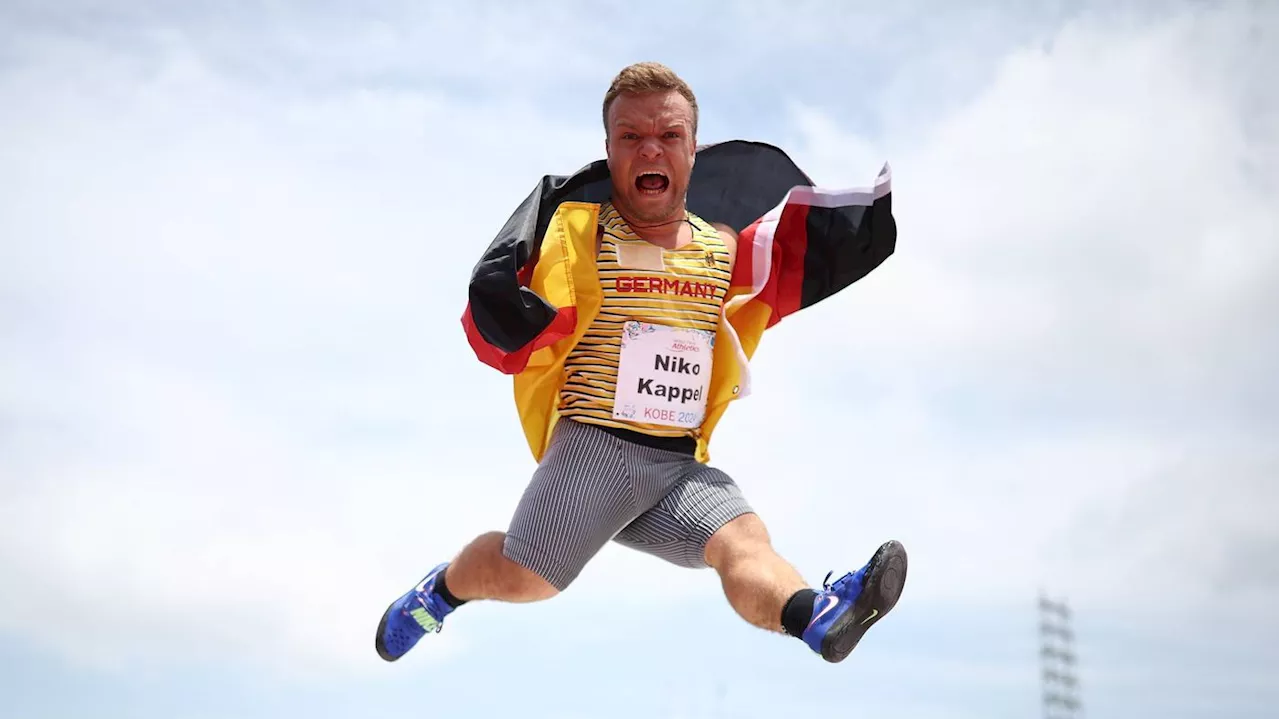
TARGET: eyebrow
(674,124)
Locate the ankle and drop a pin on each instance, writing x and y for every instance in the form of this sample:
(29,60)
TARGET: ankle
(797,612)
(442,588)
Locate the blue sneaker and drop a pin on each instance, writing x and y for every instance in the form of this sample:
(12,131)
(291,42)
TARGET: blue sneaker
(409,618)
(844,611)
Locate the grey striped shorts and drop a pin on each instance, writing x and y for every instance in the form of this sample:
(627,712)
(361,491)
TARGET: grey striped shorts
(593,486)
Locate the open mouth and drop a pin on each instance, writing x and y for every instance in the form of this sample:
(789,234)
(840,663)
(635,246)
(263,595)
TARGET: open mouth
(652,183)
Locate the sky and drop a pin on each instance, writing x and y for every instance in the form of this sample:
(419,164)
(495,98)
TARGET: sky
(238,414)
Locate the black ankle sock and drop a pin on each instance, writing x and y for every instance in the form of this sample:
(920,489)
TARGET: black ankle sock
(446,595)
(798,611)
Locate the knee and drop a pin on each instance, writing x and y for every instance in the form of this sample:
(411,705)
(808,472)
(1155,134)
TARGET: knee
(742,537)
(520,580)
(530,586)
(484,570)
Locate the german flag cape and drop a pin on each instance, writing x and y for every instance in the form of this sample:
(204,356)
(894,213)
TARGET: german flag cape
(797,244)
(536,289)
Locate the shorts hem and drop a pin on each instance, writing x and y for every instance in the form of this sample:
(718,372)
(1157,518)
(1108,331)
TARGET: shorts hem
(695,545)
(555,573)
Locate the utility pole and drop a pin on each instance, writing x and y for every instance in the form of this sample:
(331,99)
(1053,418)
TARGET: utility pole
(1059,685)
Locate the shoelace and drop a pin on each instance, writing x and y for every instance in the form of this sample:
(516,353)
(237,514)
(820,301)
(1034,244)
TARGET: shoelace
(838,583)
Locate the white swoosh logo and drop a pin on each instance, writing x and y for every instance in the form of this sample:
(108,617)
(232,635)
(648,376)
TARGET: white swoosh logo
(831,603)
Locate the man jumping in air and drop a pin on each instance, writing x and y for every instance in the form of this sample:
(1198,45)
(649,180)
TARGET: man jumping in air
(626,303)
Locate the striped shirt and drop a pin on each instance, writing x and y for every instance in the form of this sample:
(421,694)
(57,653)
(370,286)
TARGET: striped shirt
(687,292)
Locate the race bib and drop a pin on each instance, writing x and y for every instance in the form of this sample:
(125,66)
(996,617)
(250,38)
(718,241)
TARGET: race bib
(663,374)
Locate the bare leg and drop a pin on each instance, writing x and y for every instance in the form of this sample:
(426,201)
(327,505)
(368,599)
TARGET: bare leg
(757,582)
(481,571)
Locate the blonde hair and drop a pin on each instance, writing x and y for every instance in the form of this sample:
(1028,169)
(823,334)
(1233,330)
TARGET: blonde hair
(646,77)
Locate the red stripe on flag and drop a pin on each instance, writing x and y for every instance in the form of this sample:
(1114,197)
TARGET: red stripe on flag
(561,326)
(790,241)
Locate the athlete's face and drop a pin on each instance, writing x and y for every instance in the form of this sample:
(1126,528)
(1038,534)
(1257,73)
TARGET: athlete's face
(650,146)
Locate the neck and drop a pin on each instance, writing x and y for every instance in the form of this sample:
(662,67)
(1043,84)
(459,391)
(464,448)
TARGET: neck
(664,233)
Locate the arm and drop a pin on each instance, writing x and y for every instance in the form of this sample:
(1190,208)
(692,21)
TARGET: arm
(815,243)
(729,237)
(504,320)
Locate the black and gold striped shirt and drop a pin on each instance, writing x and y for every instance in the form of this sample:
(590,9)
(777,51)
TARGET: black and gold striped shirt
(685,288)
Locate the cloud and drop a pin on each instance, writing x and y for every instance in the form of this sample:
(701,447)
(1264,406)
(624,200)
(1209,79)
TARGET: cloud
(243,416)
(235,314)
(1092,213)
(1081,309)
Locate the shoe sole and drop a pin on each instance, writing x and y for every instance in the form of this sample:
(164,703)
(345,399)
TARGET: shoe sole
(382,627)
(883,587)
